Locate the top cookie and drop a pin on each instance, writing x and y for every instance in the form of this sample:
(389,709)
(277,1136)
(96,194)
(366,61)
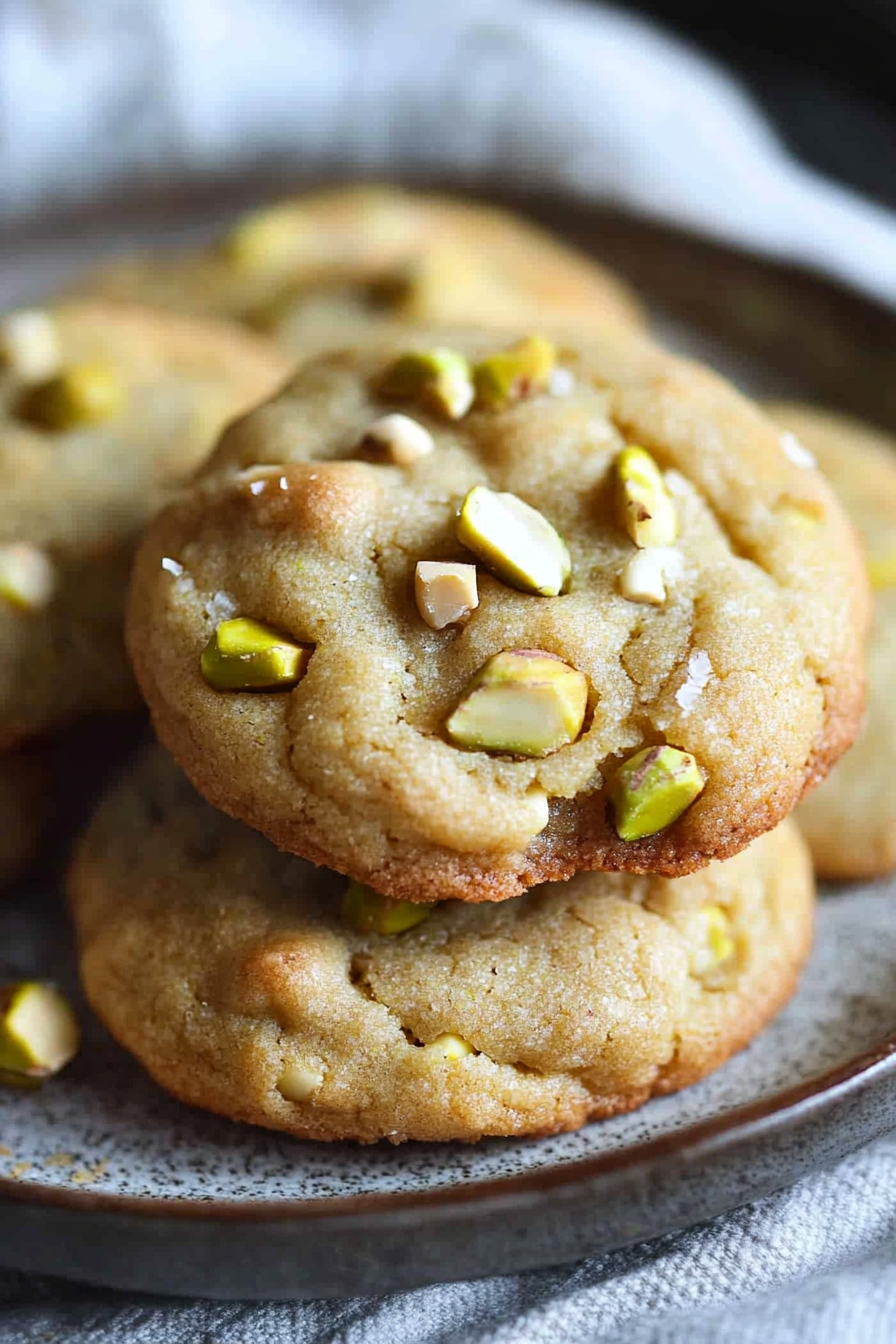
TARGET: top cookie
(364,757)
(850,822)
(333,267)
(103,408)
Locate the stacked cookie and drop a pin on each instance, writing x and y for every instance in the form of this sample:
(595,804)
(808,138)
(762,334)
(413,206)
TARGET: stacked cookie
(527,634)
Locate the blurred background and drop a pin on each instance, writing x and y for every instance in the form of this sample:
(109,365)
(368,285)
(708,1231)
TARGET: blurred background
(769,126)
(130,83)
(823,73)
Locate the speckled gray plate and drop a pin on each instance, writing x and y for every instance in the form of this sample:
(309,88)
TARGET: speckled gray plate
(104,1178)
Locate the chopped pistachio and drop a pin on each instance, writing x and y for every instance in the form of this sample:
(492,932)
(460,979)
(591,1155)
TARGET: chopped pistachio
(298,1082)
(644,578)
(717,943)
(82,394)
(246,655)
(539,808)
(807,513)
(450,1047)
(523,702)
(652,789)
(644,506)
(514,541)
(399,439)
(882,571)
(445,593)
(27,576)
(267,239)
(38,1030)
(439,379)
(368,912)
(29,344)
(510,375)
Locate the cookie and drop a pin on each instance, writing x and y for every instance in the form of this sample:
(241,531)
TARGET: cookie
(333,267)
(360,754)
(23,805)
(103,409)
(232,973)
(850,822)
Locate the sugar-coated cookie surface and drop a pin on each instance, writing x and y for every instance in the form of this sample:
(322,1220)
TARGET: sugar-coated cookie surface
(330,267)
(850,822)
(751,668)
(103,408)
(227,968)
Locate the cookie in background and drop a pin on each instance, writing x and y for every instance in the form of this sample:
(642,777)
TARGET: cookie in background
(104,409)
(348,264)
(850,821)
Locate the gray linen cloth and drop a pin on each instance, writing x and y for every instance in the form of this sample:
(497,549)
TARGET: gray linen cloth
(813,1263)
(97,93)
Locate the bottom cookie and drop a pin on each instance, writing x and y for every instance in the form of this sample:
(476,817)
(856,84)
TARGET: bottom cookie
(229,970)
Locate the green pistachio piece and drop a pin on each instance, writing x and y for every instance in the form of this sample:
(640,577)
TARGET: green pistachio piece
(645,508)
(38,1031)
(246,655)
(652,789)
(717,944)
(882,571)
(449,1047)
(30,345)
(523,702)
(438,379)
(514,541)
(298,1081)
(368,912)
(27,576)
(267,240)
(510,375)
(806,513)
(82,394)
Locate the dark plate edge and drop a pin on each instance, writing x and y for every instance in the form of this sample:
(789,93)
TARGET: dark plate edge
(745,1123)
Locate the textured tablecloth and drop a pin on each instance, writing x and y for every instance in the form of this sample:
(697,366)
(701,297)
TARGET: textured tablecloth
(815,1264)
(96,93)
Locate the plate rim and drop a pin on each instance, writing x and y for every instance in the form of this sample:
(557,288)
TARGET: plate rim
(744,1123)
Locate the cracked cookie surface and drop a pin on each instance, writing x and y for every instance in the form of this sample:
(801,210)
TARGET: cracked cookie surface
(84,463)
(225,967)
(752,665)
(326,268)
(850,822)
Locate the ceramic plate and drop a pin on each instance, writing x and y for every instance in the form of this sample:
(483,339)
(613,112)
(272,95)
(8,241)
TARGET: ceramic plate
(104,1178)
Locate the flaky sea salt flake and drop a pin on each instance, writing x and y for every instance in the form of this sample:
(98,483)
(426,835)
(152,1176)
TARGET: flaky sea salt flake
(698,677)
(796,451)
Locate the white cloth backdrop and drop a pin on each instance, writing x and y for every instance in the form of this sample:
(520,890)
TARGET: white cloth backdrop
(96,93)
